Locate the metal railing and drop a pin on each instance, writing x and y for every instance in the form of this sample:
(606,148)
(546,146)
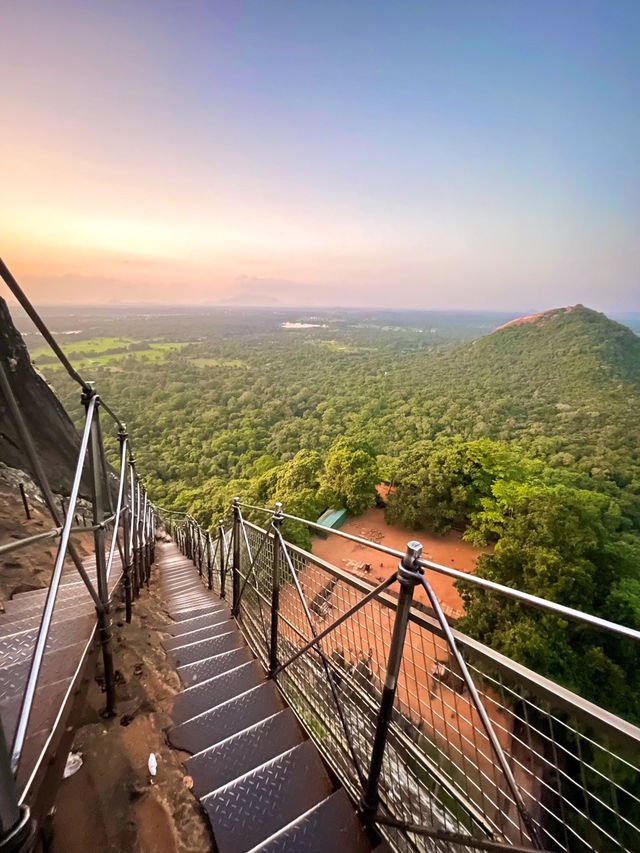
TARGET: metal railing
(443,743)
(131,523)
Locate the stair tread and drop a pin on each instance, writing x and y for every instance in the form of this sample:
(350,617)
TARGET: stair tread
(15,608)
(206,648)
(47,700)
(251,808)
(213,630)
(19,647)
(227,719)
(214,691)
(23,623)
(189,613)
(9,635)
(200,670)
(175,629)
(330,825)
(216,766)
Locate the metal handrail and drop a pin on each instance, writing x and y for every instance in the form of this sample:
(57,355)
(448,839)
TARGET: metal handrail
(47,614)
(17,544)
(123,474)
(474,580)
(14,813)
(591,714)
(538,684)
(490,666)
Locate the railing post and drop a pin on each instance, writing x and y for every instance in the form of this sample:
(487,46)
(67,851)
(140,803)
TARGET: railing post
(409,572)
(148,535)
(25,503)
(122,437)
(139,561)
(152,521)
(223,572)
(209,562)
(133,533)
(16,826)
(132,515)
(145,533)
(236,555)
(104,618)
(145,546)
(275,590)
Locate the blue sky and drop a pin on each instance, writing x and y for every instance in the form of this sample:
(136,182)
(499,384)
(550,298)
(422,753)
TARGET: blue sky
(458,155)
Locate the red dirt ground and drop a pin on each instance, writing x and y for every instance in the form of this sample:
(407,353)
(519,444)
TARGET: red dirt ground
(449,550)
(430,697)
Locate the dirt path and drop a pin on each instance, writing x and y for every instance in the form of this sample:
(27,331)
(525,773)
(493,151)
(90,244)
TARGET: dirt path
(449,550)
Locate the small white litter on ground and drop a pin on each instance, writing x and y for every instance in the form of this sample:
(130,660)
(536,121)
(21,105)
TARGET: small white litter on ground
(74,763)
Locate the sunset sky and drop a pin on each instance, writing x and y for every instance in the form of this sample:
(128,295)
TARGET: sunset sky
(480,154)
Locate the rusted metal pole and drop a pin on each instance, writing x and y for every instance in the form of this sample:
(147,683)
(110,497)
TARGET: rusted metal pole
(24,501)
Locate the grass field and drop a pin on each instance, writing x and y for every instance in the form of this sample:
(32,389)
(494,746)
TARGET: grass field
(96,345)
(100,351)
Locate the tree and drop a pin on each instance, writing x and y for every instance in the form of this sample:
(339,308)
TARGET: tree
(565,545)
(350,476)
(442,483)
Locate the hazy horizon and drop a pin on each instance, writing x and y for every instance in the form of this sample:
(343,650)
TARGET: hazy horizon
(478,156)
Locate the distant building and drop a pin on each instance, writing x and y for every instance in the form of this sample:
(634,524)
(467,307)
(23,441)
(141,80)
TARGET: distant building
(333,519)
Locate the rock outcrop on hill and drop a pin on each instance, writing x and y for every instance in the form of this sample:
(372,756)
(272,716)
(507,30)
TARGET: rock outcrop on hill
(55,437)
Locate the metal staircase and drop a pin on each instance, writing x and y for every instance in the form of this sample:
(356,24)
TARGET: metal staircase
(259,778)
(71,634)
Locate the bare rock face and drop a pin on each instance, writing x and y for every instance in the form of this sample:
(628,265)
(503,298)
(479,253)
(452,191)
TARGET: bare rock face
(55,437)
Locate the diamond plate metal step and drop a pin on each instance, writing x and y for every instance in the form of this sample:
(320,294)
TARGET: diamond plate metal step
(18,609)
(47,696)
(217,613)
(56,665)
(200,670)
(68,585)
(206,648)
(214,767)
(24,623)
(16,648)
(225,625)
(189,613)
(330,825)
(254,806)
(26,603)
(227,719)
(214,691)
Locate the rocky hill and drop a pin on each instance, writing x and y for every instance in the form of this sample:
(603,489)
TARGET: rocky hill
(55,437)
(565,383)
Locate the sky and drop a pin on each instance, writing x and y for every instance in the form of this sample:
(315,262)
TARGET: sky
(463,155)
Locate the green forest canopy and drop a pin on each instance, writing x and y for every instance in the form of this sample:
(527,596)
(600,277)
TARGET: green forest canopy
(527,438)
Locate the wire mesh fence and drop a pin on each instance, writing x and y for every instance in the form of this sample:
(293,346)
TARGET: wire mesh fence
(577,768)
